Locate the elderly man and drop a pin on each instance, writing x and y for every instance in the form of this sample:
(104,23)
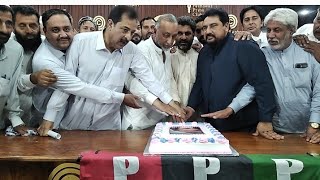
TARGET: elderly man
(156,51)
(113,55)
(27,33)
(224,67)
(11,57)
(295,74)
(308,37)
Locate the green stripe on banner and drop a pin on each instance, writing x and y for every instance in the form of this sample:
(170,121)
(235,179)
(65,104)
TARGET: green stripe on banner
(285,167)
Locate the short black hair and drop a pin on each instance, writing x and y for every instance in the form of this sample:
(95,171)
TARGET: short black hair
(199,18)
(85,19)
(257,9)
(24,10)
(222,14)
(47,14)
(187,21)
(4,8)
(146,18)
(117,12)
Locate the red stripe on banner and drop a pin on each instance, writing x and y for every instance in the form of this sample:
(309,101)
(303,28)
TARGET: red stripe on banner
(112,166)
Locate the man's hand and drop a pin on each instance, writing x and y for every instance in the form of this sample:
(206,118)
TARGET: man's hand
(309,46)
(242,35)
(181,115)
(197,46)
(313,48)
(222,114)
(312,135)
(189,111)
(164,107)
(265,130)
(21,129)
(301,40)
(43,78)
(173,49)
(131,101)
(45,127)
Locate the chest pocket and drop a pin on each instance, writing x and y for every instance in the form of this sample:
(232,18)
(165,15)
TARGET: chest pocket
(302,77)
(4,87)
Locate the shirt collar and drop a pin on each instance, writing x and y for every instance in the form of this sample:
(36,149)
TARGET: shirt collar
(3,54)
(59,54)
(100,43)
(154,46)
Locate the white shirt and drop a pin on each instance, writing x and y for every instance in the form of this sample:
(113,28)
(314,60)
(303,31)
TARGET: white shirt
(25,85)
(11,56)
(307,30)
(147,116)
(93,63)
(261,39)
(46,57)
(184,67)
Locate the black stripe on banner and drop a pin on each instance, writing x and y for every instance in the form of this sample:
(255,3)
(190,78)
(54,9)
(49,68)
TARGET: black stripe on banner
(231,168)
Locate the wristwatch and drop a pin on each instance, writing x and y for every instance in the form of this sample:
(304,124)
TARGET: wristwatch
(314,125)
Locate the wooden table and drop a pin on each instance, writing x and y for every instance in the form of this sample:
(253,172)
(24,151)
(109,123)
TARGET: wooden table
(35,157)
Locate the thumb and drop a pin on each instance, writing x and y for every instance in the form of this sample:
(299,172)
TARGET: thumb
(207,115)
(255,133)
(136,97)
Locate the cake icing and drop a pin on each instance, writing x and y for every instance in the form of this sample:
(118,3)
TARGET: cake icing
(187,138)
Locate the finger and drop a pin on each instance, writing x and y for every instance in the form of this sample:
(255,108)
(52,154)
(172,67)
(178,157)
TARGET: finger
(303,135)
(266,135)
(209,115)
(315,138)
(255,133)
(276,136)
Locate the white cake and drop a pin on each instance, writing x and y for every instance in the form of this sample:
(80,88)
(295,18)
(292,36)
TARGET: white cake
(187,138)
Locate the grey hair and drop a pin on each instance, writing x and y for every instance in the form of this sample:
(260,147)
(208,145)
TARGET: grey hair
(166,17)
(286,16)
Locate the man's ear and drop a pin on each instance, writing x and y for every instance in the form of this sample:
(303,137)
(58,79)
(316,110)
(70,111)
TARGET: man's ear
(110,24)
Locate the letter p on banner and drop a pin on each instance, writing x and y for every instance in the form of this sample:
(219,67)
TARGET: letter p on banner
(120,169)
(284,169)
(200,168)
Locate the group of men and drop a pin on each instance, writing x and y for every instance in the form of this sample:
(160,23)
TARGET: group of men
(267,85)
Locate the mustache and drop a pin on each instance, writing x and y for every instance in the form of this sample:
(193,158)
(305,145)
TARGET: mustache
(124,40)
(64,38)
(210,35)
(4,34)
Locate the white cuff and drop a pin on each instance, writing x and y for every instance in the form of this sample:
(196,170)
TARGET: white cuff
(118,97)
(50,115)
(150,98)
(235,106)
(16,121)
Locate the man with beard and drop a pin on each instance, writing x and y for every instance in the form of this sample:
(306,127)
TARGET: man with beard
(156,50)
(199,31)
(136,37)
(102,58)
(27,33)
(147,27)
(184,60)
(308,37)
(11,56)
(296,77)
(224,67)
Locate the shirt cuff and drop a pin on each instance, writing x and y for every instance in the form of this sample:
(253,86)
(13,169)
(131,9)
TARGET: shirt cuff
(118,97)
(315,117)
(235,106)
(150,98)
(16,121)
(26,82)
(50,115)
(166,98)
